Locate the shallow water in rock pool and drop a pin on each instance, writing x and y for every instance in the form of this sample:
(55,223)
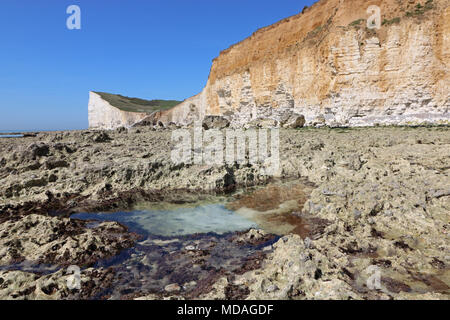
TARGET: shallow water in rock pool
(191,247)
(179,221)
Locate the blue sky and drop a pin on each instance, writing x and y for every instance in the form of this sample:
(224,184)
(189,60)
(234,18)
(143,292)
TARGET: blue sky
(152,49)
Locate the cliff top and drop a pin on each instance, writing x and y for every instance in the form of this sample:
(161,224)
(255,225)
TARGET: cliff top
(309,27)
(135,104)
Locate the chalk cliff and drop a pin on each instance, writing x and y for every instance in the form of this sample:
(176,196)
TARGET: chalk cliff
(103,115)
(326,64)
(110,111)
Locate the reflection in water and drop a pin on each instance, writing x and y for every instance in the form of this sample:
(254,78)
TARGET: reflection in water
(269,208)
(180,221)
(189,247)
(272,208)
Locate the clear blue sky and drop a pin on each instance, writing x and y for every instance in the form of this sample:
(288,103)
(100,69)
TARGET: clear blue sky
(152,49)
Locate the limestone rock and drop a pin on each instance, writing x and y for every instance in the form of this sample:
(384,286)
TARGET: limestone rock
(36,150)
(102,115)
(19,285)
(318,121)
(383,192)
(262,124)
(112,111)
(215,122)
(51,240)
(295,121)
(172,288)
(101,137)
(320,62)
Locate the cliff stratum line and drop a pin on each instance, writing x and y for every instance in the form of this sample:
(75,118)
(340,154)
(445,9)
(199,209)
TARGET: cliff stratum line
(325,64)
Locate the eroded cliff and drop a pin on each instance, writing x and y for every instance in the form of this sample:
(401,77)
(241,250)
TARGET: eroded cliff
(110,111)
(326,64)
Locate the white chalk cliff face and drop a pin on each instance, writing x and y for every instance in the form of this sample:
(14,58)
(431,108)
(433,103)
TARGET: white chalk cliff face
(102,115)
(325,65)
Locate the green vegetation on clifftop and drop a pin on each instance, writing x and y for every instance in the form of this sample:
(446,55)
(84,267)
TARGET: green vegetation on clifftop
(135,104)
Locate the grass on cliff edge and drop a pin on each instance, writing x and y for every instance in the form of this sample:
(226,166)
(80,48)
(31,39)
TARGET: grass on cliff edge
(135,104)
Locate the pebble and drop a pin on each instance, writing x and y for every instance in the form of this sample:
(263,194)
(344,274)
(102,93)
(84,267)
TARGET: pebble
(172,288)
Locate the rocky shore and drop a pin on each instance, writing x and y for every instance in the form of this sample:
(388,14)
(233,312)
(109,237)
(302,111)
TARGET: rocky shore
(375,199)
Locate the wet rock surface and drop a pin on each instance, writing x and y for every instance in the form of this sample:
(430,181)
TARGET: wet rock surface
(186,266)
(20,285)
(379,198)
(37,239)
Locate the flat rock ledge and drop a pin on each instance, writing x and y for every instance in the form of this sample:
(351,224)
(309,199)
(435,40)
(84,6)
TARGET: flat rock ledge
(383,192)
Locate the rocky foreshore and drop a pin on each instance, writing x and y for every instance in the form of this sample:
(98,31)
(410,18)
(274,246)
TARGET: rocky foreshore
(378,199)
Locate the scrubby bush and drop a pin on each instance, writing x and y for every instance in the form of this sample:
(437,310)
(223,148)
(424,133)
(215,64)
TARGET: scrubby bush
(420,9)
(392,21)
(356,22)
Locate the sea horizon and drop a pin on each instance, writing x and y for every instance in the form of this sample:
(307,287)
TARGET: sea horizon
(38,130)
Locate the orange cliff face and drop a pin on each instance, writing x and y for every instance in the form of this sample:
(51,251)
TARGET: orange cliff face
(326,63)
